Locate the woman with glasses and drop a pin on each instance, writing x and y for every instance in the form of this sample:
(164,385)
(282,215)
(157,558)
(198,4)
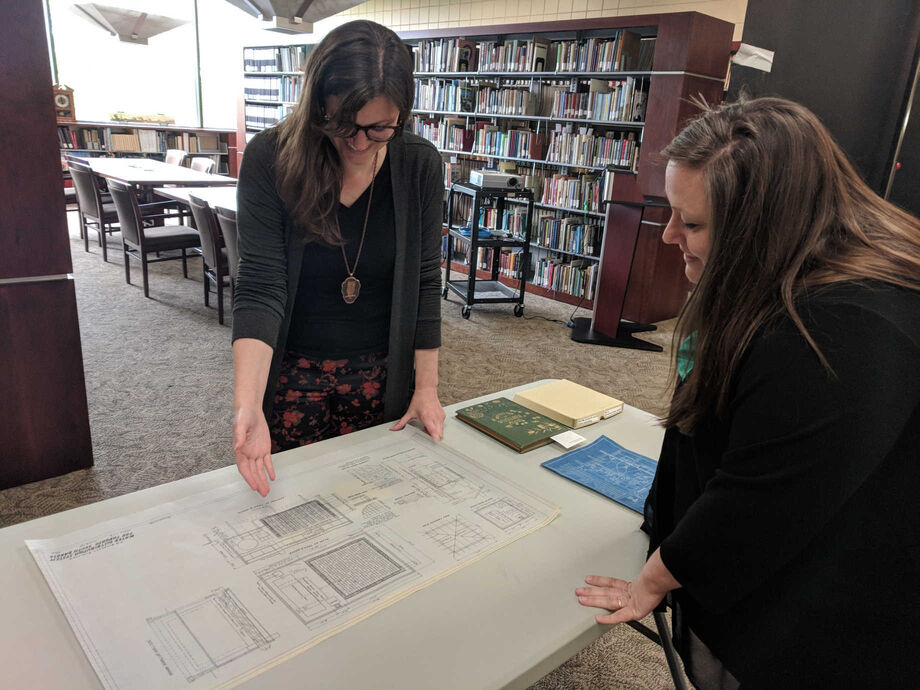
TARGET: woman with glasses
(336,313)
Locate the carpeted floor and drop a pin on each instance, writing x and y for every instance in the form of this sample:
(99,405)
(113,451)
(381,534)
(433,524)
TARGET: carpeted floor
(159,387)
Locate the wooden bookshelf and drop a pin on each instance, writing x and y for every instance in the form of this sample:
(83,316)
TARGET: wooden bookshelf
(88,138)
(690,56)
(679,55)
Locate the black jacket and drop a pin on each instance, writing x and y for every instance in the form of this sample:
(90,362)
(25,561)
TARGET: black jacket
(792,524)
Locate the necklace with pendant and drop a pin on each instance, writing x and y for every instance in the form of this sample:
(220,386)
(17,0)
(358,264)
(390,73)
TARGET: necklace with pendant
(351,286)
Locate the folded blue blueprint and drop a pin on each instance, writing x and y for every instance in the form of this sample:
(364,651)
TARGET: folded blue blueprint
(610,469)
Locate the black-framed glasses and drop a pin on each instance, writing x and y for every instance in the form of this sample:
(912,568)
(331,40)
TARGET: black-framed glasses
(378,133)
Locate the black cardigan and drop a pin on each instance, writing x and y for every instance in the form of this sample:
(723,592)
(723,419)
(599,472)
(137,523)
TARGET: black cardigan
(271,256)
(792,524)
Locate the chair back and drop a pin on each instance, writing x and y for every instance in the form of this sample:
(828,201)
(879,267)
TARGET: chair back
(124,196)
(227,221)
(202,164)
(207,228)
(84,181)
(175,156)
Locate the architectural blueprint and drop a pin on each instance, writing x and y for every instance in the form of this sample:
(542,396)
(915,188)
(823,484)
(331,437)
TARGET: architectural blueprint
(208,590)
(610,469)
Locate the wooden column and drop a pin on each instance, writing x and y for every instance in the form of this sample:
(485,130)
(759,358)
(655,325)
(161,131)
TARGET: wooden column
(45,425)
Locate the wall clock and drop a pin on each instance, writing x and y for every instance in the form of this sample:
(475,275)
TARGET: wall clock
(63,103)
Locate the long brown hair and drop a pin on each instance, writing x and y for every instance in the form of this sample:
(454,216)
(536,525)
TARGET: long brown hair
(788,213)
(357,62)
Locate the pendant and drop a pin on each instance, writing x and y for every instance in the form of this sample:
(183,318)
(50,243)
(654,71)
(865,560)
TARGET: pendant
(351,288)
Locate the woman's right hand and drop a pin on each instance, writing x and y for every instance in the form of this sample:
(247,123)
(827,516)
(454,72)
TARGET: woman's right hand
(252,446)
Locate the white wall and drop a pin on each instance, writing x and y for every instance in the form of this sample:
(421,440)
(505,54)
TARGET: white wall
(108,75)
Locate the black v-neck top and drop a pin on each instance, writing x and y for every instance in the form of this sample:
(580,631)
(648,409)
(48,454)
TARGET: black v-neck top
(323,326)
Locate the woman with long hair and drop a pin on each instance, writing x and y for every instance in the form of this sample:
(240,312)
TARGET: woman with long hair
(336,312)
(781,518)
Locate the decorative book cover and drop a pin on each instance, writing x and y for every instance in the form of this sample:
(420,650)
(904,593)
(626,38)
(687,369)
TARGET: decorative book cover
(512,424)
(569,403)
(610,469)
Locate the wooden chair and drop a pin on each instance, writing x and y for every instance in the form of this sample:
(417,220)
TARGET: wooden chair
(139,241)
(214,255)
(226,220)
(175,156)
(202,164)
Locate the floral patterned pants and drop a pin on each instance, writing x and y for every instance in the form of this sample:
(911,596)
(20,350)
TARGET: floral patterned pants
(318,399)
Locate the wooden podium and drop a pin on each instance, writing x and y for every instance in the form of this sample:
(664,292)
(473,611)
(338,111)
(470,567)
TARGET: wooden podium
(625,220)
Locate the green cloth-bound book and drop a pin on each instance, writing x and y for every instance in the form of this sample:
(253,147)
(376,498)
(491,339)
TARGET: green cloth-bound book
(512,424)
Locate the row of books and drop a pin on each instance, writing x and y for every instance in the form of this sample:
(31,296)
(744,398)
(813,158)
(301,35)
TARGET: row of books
(577,277)
(611,101)
(445,134)
(510,262)
(594,99)
(506,100)
(79,138)
(514,55)
(445,55)
(137,140)
(455,95)
(621,53)
(583,147)
(583,192)
(458,95)
(570,234)
(280,59)
(512,219)
(512,143)
(286,88)
(572,276)
(262,116)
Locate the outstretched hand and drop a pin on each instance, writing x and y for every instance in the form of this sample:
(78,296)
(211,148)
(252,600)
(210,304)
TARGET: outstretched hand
(252,446)
(426,408)
(627,601)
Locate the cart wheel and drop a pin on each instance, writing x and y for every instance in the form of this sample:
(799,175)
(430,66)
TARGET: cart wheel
(519,310)
(444,293)
(465,312)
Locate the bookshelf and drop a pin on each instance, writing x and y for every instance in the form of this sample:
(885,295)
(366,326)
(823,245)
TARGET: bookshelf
(271,84)
(88,139)
(559,103)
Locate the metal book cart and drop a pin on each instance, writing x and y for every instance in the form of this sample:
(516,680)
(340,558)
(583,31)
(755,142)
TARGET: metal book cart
(488,291)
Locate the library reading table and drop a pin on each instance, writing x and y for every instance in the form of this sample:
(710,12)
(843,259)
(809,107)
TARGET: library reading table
(145,172)
(216,197)
(504,620)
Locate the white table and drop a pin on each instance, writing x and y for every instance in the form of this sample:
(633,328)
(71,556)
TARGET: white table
(146,172)
(505,620)
(216,197)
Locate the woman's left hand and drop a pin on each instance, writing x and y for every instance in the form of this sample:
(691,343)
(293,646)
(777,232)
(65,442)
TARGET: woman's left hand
(627,600)
(426,408)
